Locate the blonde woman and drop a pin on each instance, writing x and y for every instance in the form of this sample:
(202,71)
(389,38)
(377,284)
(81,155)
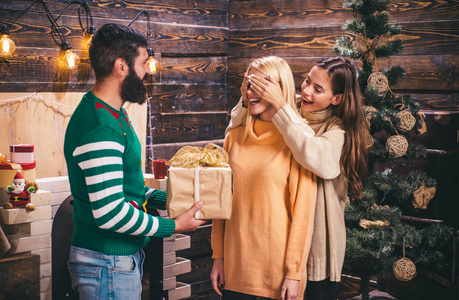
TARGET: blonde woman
(331,143)
(262,251)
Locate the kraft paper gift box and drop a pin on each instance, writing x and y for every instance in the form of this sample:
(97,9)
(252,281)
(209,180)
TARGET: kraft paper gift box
(212,185)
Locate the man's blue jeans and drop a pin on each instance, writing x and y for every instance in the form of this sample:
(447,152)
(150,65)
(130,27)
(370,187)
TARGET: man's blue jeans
(97,275)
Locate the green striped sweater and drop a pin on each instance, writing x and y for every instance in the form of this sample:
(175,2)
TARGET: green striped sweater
(103,157)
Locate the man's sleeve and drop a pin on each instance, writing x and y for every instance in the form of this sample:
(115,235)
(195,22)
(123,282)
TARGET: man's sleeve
(155,198)
(100,157)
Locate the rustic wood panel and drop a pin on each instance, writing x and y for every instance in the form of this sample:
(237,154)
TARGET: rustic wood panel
(166,151)
(33,30)
(209,70)
(188,98)
(190,127)
(278,13)
(38,65)
(35,69)
(424,72)
(200,271)
(419,38)
(200,242)
(438,101)
(198,12)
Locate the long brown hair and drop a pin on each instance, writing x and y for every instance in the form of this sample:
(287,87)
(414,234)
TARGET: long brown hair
(353,161)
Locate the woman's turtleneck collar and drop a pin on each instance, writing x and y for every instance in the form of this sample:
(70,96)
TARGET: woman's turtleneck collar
(320,116)
(263,132)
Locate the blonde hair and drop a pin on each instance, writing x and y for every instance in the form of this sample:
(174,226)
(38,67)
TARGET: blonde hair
(280,71)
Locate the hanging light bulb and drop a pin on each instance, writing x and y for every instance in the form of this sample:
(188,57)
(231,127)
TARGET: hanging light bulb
(7,46)
(152,63)
(71,60)
(90,32)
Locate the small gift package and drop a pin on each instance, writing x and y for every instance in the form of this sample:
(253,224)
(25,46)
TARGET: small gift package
(200,174)
(22,153)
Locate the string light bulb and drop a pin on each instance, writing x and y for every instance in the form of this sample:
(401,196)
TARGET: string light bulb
(152,63)
(7,46)
(71,60)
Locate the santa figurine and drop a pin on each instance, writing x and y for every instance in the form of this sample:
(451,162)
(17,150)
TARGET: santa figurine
(19,193)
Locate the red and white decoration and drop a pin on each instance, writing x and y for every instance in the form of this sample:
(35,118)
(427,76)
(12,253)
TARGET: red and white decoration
(22,154)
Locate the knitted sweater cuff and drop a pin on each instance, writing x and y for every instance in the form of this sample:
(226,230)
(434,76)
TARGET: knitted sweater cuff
(158,198)
(166,228)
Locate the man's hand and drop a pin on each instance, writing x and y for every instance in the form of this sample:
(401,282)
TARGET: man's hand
(217,275)
(186,221)
(290,289)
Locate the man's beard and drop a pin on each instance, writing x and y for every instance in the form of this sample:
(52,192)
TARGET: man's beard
(133,90)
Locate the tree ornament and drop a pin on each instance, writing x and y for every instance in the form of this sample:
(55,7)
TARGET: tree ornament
(370,112)
(405,120)
(376,206)
(366,47)
(423,128)
(379,80)
(397,145)
(367,223)
(404,269)
(422,196)
(369,142)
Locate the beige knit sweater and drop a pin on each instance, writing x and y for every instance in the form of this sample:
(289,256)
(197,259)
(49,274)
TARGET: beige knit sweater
(316,145)
(269,234)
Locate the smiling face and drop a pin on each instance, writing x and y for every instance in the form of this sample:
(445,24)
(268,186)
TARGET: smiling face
(316,91)
(257,105)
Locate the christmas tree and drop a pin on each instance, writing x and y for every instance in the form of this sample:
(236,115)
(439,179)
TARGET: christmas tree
(379,239)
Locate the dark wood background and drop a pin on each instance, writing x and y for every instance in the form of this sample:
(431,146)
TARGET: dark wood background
(204,47)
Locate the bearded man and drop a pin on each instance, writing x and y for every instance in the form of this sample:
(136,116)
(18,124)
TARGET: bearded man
(103,156)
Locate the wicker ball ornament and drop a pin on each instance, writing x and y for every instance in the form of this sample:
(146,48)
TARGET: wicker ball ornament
(370,112)
(397,145)
(379,80)
(404,269)
(369,141)
(405,120)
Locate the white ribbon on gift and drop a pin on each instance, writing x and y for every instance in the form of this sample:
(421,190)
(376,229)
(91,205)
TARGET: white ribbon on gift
(197,192)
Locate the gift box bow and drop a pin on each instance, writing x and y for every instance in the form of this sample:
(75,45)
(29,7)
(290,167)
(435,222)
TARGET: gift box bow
(4,160)
(191,157)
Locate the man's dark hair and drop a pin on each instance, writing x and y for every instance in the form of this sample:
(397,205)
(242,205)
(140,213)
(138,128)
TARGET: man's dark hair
(113,41)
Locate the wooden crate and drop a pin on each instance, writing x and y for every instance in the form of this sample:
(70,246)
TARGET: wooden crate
(20,277)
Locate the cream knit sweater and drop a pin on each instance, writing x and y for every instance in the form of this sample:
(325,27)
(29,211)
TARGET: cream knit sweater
(316,145)
(269,234)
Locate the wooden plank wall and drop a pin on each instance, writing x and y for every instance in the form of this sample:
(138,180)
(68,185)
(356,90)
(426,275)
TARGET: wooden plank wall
(190,38)
(205,46)
(303,31)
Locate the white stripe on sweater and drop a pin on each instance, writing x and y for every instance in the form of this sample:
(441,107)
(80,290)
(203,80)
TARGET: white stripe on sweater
(132,221)
(102,161)
(154,228)
(100,212)
(106,145)
(142,226)
(103,177)
(148,194)
(105,193)
(118,217)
